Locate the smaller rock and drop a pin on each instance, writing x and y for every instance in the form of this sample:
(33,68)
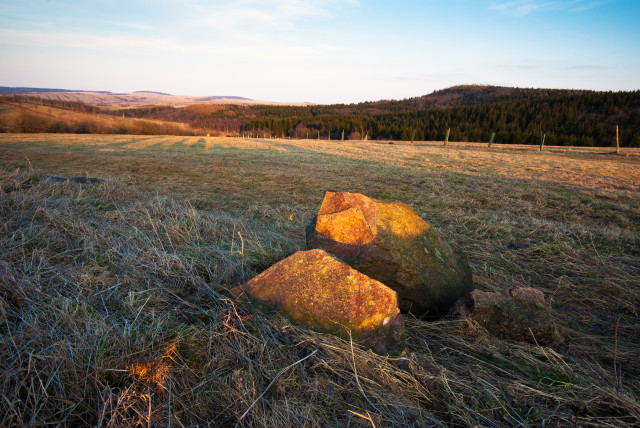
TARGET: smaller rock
(516,314)
(318,291)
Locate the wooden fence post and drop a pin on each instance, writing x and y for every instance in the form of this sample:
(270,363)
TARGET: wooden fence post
(446,138)
(617,140)
(493,135)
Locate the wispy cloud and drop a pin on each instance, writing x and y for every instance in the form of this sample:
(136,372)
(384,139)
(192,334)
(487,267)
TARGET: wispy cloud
(190,26)
(191,18)
(522,66)
(587,67)
(82,40)
(526,7)
(419,76)
(521,7)
(129,43)
(249,14)
(582,6)
(256,15)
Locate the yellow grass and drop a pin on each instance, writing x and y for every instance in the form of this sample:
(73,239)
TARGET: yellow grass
(589,168)
(40,115)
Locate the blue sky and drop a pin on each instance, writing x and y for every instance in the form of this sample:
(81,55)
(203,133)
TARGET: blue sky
(321,51)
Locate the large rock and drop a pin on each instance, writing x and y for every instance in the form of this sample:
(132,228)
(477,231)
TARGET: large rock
(392,244)
(318,291)
(516,314)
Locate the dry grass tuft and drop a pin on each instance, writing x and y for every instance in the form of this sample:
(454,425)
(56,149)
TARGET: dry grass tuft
(114,307)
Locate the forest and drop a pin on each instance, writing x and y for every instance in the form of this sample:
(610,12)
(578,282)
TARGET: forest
(469,113)
(566,118)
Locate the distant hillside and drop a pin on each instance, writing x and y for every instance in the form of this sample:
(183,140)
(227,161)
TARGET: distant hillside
(463,95)
(456,96)
(22,90)
(150,92)
(133,99)
(466,95)
(230,97)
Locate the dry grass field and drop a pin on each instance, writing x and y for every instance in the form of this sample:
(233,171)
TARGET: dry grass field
(40,118)
(113,296)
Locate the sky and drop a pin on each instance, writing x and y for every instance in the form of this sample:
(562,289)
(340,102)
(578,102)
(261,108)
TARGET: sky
(321,51)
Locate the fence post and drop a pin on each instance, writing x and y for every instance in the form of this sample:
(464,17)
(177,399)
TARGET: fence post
(617,140)
(493,135)
(446,138)
(342,138)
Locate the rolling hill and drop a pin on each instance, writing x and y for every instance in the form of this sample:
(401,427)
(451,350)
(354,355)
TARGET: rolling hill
(133,99)
(30,117)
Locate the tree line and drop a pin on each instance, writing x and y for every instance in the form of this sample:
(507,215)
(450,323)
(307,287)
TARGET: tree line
(567,118)
(201,118)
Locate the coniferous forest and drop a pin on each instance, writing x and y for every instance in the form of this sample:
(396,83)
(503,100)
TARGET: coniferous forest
(567,118)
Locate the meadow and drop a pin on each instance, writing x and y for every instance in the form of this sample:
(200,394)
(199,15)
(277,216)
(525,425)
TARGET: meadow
(114,303)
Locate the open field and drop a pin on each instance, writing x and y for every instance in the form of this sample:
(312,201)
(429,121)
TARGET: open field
(113,304)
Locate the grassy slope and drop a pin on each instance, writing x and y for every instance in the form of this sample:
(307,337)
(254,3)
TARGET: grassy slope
(39,117)
(113,295)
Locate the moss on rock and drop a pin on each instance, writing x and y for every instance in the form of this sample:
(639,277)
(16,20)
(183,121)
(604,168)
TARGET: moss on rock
(392,244)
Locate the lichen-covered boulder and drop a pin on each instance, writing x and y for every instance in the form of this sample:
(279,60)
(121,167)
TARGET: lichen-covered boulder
(315,290)
(519,314)
(392,244)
